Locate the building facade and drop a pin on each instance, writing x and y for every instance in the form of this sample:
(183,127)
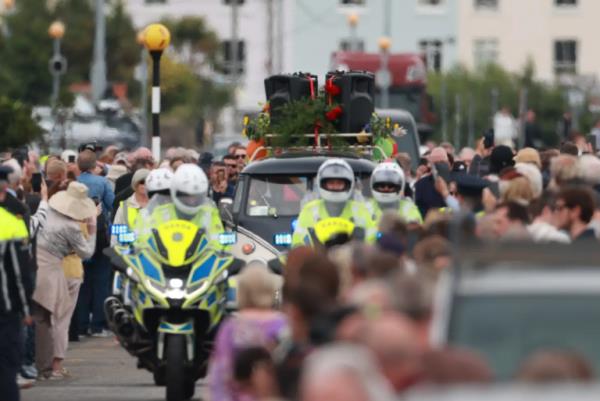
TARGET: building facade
(558,36)
(319,27)
(260,50)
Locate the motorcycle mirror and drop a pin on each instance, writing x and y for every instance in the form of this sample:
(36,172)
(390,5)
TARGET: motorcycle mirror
(226,210)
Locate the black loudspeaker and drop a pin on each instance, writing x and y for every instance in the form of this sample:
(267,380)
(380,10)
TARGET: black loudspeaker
(356,96)
(282,89)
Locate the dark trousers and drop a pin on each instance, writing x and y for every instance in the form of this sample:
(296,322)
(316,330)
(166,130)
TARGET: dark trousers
(28,345)
(94,290)
(11,333)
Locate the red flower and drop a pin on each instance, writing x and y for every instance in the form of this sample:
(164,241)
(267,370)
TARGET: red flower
(334,113)
(332,89)
(266,108)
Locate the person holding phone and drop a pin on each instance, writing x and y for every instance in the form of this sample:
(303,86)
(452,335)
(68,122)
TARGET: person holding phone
(426,195)
(218,181)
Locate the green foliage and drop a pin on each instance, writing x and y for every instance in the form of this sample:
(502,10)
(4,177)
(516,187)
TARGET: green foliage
(477,88)
(193,31)
(188,96)
(25,53)
(17,127)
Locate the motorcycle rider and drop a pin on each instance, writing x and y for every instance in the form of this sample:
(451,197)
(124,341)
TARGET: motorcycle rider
(387,187)
(189,201)
(335,180)
(158,186)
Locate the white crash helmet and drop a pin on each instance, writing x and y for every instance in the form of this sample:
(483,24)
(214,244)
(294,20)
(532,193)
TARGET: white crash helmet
(387,173)
(189,188)
(159,180)
(336,169)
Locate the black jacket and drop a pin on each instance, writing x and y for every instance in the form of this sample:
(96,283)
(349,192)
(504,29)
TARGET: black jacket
(16,276)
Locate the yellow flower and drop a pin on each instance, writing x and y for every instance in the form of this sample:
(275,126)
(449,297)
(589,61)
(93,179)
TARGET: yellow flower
(246,120)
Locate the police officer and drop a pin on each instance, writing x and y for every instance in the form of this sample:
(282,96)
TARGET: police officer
(189,201)
(387,187)
(16,286)
(335,180)
(129,209)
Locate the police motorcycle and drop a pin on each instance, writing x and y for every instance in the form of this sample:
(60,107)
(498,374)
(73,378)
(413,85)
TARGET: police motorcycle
(174,292)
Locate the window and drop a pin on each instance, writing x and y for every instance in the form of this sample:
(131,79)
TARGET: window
(565,3)
(485,51)
(486,4)
(352,2)
(565,57)
(432,49)
(431,3)
(273,195)
(155,1)
(228,2)
(227,63)
(346,45)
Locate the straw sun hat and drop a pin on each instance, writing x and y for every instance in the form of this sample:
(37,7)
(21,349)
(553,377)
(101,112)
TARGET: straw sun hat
(74,202)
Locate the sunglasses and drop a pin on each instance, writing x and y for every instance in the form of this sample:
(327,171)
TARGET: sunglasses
(240,156)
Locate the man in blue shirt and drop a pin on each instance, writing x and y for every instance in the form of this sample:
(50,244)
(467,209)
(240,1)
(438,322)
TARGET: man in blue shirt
(97,271)
(99,188)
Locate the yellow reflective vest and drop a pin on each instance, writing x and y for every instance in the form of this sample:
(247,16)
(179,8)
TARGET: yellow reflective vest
(315,211)
(407,211)
(13,228)
(207,218)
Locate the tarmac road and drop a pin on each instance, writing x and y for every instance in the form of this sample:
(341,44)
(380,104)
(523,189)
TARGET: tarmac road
(100,371)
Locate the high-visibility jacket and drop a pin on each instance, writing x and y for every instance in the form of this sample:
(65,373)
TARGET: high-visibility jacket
(407,210)
(130,214)
(13,228)
(315,211)
(207,218)
(16,281)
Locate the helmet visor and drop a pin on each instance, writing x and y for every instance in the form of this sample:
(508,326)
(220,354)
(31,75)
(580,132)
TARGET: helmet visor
(190,200)
(386,187)
(336,184)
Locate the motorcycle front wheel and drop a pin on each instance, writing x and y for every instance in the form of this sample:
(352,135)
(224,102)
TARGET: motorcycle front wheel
(177,390)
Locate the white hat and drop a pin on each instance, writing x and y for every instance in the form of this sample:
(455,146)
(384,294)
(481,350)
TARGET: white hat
(65,155)
(74,202)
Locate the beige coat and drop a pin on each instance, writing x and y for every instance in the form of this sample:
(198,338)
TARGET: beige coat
(60,237)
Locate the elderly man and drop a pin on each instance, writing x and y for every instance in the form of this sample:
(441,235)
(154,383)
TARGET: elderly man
(343,372)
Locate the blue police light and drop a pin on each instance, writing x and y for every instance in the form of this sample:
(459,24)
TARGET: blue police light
(126,238)
(227,238)
(379,234)
(294,224)
(117,229)
(282,239)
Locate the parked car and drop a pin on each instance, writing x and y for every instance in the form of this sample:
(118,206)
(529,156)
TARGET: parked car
(507,302)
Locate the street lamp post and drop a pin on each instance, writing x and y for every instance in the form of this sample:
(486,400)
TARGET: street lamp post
(143,78)
(57,66)
(9,7)
(98,77)
(57,63)
(156,39)
(353,22)
(383,76)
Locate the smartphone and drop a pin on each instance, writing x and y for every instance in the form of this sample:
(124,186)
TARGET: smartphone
(36,182)
(72,159)
(434,172)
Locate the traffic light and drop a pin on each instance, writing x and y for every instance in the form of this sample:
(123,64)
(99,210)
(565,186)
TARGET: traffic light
(282,89)
(58,65)
(355,93)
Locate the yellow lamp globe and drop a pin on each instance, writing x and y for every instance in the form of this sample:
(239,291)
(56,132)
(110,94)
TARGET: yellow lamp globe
(156,37)
(56,30)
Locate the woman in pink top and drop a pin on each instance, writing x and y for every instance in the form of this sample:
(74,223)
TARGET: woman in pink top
(256,324)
